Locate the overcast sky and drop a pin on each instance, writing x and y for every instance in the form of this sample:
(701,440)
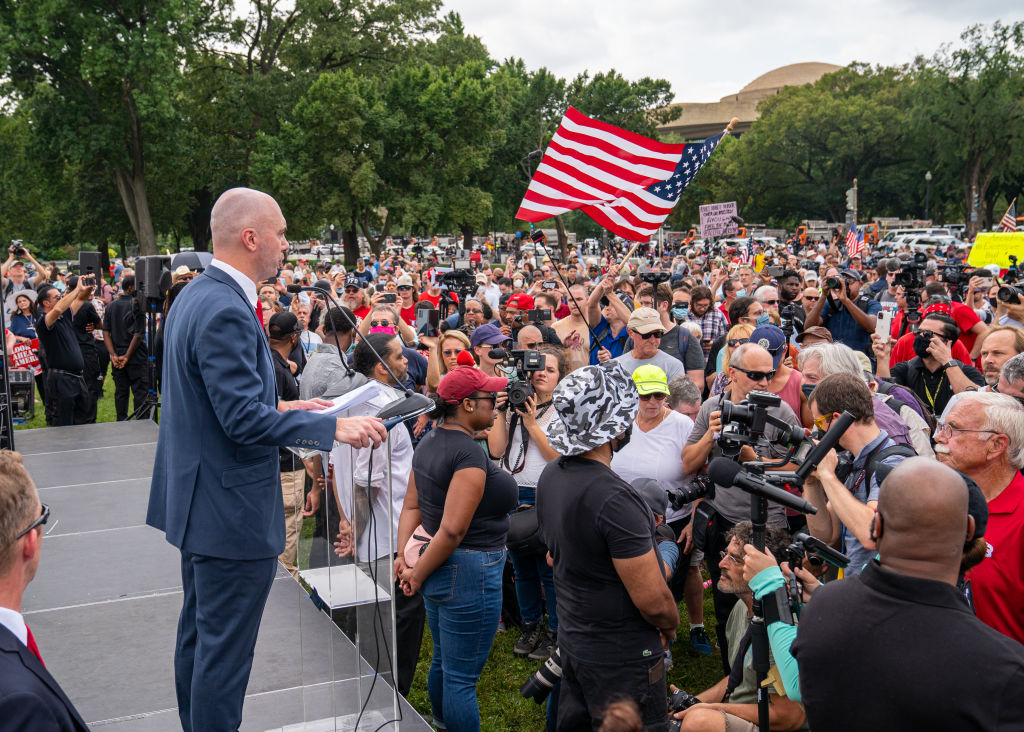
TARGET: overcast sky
(710,49)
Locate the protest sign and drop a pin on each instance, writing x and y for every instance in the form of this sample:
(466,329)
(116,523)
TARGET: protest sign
(716,219)
(995,247)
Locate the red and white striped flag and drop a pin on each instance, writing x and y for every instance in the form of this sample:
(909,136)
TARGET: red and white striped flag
(626,182)
(854,242)
(1009,221)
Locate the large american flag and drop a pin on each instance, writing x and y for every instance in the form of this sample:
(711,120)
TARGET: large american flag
(1009,221)
(625,182)
(854,242)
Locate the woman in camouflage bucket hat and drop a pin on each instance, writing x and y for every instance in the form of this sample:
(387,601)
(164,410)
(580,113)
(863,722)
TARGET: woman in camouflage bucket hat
(593,405)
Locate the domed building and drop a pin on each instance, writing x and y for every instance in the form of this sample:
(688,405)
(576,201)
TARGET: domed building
(699,120)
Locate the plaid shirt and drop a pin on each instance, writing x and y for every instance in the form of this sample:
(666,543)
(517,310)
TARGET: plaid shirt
(712,325)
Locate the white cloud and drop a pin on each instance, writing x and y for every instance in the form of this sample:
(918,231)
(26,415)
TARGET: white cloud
(710,49)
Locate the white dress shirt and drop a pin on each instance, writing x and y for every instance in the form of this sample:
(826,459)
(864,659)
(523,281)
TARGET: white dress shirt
(247,285)
(14,622)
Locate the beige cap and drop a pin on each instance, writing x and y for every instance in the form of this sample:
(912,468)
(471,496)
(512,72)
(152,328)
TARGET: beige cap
(182,270)
(404,281)
(645,320)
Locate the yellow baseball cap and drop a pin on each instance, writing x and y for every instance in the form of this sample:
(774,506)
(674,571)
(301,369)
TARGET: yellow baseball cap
(650,379)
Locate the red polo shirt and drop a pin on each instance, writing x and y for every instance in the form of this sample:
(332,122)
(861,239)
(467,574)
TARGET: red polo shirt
(998,582)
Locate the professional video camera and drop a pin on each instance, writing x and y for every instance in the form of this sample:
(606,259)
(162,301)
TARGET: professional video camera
(956,277)
(1009,292)
(789,317)
(744,424)
(518,366)
(911,274)
(538,686)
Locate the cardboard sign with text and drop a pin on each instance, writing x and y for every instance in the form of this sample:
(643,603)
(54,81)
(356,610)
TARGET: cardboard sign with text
(716,219)
(995,247)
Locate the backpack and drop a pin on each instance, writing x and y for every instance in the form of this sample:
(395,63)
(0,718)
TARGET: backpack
(907,397)
(875,466)
(684,340)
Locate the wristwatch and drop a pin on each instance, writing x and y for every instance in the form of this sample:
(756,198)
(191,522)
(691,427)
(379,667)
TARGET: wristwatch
(952,363)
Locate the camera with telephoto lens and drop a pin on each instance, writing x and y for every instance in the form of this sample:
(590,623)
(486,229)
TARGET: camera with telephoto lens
(700,487)
(911,274)
(1009,292)
(833,283)
(538,686)
(744,423)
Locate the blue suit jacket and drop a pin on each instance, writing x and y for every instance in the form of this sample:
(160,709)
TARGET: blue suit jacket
(216,482)
(30,699)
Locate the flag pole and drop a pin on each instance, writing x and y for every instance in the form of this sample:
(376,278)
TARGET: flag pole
(625,259)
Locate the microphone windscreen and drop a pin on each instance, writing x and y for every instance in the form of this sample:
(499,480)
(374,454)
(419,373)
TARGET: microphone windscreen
(724,471)
(294,288)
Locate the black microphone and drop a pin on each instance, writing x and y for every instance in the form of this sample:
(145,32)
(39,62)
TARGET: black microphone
(725,472)
(830,440)
(412,404)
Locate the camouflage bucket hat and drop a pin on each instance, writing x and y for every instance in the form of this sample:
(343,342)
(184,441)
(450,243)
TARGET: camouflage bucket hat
(592,405)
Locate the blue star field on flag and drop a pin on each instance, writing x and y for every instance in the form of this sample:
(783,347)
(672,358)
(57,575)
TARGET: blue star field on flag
(694,157)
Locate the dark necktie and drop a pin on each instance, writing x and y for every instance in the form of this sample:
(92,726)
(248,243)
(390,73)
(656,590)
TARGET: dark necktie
(32,645)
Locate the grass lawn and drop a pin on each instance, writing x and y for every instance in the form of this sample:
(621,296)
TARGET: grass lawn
(501,706)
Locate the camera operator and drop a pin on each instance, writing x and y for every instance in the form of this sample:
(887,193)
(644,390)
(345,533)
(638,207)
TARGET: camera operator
(913,656)
(517,315)
(849,317)
(616,613)
(750,368)
(731,704)
(518,437)
(845,506)
(13,276)
(790,294)
(66,392)
(983,437)
(933,374)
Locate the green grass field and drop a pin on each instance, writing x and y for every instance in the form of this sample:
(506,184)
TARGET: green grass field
(501,706)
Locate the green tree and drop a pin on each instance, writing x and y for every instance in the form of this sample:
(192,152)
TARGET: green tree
(100,79)
(969,101)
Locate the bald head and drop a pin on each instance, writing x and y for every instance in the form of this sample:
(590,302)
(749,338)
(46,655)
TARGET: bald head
(528,334)
(249,232)
(923,506)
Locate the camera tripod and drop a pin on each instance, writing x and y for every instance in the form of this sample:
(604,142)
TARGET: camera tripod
(150,407)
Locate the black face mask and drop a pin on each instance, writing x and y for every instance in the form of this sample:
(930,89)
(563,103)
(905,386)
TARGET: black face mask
(993,302)
(622,440)
(921,343)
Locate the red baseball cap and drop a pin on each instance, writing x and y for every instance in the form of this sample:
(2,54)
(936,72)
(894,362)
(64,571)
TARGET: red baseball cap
(520,301)
(462,381)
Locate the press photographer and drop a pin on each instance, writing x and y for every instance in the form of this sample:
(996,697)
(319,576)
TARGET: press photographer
(731,704)
(845,491)
(750,369)
(849,317)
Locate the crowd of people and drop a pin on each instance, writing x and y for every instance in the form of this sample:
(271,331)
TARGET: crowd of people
(570,512)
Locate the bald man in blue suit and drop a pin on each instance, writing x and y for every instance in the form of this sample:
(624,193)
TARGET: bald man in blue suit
(216,484)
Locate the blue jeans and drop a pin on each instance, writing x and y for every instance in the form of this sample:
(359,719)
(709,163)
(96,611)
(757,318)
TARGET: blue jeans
(532,572)
(463,603)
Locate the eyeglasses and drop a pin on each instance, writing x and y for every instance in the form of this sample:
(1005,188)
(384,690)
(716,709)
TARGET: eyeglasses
(757,375)
(452,351)
(733,342)
(738,561)
(474,311)
(41,521)
(658,396)
(946,430)
(492,397)
(652,334)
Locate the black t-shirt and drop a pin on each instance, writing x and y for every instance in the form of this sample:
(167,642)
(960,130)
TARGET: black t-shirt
(86,314)
(123,320)
(933,388)
(438,457)
(60,343)
(887,651)
(589,515)
(287,390)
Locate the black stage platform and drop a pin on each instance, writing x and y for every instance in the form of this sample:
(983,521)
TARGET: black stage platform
(104,604)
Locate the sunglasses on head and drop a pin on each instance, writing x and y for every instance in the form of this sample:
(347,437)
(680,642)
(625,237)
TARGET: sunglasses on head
(757,375)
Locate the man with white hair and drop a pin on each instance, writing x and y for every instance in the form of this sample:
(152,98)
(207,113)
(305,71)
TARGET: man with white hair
(768,296)
(1011,379)
(983,437)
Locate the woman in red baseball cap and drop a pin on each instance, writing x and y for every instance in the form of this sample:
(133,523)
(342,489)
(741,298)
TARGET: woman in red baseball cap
(460,499)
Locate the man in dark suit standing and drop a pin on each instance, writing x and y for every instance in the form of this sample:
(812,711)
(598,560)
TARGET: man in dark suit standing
(30,699)
(216,489)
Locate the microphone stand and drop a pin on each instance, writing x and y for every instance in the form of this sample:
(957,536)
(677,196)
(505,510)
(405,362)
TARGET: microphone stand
(412,404)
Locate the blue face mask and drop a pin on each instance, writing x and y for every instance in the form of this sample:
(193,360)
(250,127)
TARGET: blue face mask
(741,293)
(680,312)
(764,319)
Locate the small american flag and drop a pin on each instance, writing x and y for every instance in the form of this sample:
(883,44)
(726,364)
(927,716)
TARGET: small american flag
(1009,221)
(625,182)
(854,242)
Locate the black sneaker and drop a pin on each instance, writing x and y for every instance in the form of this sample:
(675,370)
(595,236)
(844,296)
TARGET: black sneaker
(545,647)
(528,639)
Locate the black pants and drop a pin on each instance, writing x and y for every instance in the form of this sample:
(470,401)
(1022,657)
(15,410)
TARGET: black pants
(95,369)
(67,399)
(724,603)
(587,688)
(132,377)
